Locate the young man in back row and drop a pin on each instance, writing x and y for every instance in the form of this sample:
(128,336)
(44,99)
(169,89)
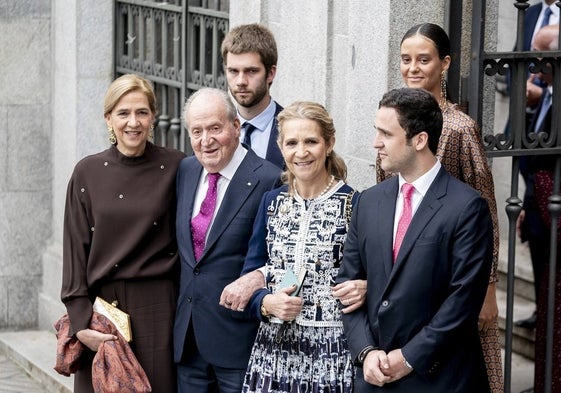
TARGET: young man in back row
(249,53)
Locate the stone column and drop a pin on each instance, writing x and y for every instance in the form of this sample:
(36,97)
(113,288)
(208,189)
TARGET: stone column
(82,44)
(25,147)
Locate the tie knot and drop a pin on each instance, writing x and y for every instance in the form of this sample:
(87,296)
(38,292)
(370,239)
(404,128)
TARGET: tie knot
(213,178)
(546,14)
(248,127)
(407,190)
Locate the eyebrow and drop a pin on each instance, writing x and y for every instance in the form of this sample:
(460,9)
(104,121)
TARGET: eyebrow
(381,129)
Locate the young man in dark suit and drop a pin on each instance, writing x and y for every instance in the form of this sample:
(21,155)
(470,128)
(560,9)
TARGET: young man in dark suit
(426,262)
(214,224)
(249,53)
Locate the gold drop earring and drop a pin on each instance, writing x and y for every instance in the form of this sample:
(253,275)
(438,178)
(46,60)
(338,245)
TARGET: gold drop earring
(112,136)
(443,88)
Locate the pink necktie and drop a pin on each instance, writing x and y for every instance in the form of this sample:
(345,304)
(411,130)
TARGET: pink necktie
(200,223)
(406,214)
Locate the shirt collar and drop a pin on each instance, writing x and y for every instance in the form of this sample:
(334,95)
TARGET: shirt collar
(423,183)
(229,170)
(262,120)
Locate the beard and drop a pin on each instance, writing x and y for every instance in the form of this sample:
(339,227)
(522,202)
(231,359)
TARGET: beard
(252,99)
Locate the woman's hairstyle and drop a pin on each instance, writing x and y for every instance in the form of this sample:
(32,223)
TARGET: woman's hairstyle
(315,112)
(251,38)
(434,33)
(126,84)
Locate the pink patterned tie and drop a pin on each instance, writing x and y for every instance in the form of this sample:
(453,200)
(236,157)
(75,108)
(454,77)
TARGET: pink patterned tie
(200,223)
(405,219)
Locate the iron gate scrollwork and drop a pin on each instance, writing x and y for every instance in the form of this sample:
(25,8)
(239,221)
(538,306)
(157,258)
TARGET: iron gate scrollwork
(517,142)
(176,45)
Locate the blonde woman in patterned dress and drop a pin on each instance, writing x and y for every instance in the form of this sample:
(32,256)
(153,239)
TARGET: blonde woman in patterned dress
(302,226)
(425,58)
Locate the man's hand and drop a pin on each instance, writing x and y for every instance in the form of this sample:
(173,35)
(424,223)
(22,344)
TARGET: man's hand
(533,92)
(376,368)
(397,369)
(351,294)
(236,294)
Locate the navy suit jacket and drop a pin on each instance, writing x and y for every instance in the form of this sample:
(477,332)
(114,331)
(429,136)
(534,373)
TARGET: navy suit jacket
(222,339)
(530,20)
(273,152)
(428,302)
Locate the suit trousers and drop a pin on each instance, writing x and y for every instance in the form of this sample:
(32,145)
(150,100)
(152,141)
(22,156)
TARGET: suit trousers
(196,375)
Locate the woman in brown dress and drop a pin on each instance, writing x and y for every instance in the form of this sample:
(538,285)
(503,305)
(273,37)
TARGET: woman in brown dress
(119,236)
(425,58)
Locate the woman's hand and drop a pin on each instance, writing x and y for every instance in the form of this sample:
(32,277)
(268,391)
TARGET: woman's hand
(351,294)
(93,339)
(282,305)
(490,311)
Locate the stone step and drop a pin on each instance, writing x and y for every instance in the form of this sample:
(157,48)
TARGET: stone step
(522,339)
(35,352)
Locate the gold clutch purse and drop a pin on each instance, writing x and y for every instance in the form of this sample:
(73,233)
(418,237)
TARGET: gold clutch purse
(119,318)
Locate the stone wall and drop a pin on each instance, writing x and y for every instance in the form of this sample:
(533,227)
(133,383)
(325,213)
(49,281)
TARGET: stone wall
(25,156)
(82,44)
(57,61)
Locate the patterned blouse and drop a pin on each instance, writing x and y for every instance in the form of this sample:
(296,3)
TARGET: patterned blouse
(461,152)
(308,234)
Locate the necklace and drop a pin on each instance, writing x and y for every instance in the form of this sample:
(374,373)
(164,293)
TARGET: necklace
(327,188)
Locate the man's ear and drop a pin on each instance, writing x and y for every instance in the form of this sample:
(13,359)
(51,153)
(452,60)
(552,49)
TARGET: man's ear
(422,140)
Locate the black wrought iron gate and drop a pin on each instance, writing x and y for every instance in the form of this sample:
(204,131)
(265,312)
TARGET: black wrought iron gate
(176,45)
(517,143)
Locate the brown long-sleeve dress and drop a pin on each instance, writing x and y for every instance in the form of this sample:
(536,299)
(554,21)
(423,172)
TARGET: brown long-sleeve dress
(461,152)
(119,243)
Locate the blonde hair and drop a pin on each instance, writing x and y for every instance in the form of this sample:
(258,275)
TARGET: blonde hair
(312,111)
(126,84)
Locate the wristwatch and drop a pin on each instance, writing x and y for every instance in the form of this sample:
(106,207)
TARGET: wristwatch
(406,364)
(362,355)
(264,311)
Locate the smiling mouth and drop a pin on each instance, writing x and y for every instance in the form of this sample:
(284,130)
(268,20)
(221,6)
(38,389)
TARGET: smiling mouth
(303,163)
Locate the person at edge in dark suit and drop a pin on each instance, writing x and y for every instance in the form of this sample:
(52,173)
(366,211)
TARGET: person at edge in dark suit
(529,226)
(542,167)
(249,54)
(224,182)
(418,329)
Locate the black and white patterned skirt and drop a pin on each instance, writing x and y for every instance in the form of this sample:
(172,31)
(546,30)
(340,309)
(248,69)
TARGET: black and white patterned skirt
(308,359)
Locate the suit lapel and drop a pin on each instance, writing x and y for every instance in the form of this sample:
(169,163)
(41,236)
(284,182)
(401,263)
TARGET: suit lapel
(273,152)
(427,209)
(240,188)
(186,208)
(386,213)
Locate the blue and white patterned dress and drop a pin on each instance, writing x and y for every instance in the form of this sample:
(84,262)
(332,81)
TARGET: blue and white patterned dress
(312,355)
